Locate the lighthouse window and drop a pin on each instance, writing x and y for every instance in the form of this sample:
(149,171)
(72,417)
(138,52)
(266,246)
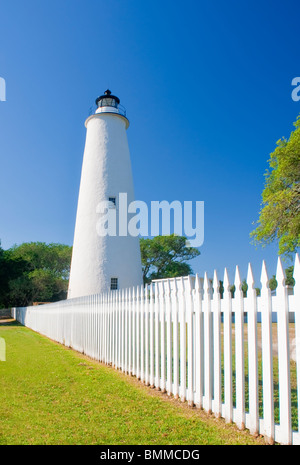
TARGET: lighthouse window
(112,202)
(113,284)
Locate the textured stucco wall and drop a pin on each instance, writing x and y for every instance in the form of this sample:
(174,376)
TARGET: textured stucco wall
(106,172)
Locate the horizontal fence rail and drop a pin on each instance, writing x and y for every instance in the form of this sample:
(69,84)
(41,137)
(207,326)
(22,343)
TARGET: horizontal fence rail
(234,356)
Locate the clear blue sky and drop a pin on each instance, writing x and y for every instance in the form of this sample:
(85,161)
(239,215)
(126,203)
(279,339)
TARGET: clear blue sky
(207,88)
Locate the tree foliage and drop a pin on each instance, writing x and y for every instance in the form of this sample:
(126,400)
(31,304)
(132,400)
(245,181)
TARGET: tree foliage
(289,281)
(279,218)
(34,272)
(166,257)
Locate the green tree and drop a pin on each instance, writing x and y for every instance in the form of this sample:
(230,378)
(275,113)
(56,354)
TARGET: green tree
(289,276)
(289,281)
(221,288)
(279,217)
(244,289)
(20,292)
(166,257)
(273,283)
(55,258)
(33,272)
(11,268)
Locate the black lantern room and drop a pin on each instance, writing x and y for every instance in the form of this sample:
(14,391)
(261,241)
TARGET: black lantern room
(109,100)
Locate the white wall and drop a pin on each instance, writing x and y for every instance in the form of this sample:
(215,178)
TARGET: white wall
(106,171)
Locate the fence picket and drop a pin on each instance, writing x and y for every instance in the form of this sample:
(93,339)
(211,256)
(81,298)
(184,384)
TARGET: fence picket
(283,357)
(138,333)
(142,333)
(238,303)
(134,324)
(169,337)
(156,337)
(199,340)
(123,331)
(126,337)
(252,353)
(147,339)
(151,303)
(182,320)
(216,308)
(227,349)
(175,340)
(267,354)
(296,276)
(190,343)
(162,337)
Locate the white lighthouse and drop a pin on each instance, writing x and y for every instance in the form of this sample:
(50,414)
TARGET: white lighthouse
(104,262)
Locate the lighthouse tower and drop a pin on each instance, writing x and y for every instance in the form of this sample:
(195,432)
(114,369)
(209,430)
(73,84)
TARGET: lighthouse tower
(103,262)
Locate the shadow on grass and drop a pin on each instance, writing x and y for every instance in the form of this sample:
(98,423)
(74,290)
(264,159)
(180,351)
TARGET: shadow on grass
(9,322)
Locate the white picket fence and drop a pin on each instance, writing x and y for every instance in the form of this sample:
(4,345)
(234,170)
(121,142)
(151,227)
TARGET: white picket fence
(178,335)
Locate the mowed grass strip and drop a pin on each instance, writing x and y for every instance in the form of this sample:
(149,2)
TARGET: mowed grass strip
(50,394)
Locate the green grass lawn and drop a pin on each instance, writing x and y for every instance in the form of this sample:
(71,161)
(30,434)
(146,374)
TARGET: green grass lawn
(52,395)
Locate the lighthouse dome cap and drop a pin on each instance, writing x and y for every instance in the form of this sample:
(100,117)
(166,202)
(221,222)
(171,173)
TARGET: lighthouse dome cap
(107,94)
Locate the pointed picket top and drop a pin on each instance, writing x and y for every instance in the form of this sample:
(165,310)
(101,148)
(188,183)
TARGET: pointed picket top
(130,294)
(264,278)
(138,293)
(206,284)
(250,277)
(280,274)
(296,275)
(237,279)
(190,287)
(226,282)
(142,291)
(216,284)
(198,284)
